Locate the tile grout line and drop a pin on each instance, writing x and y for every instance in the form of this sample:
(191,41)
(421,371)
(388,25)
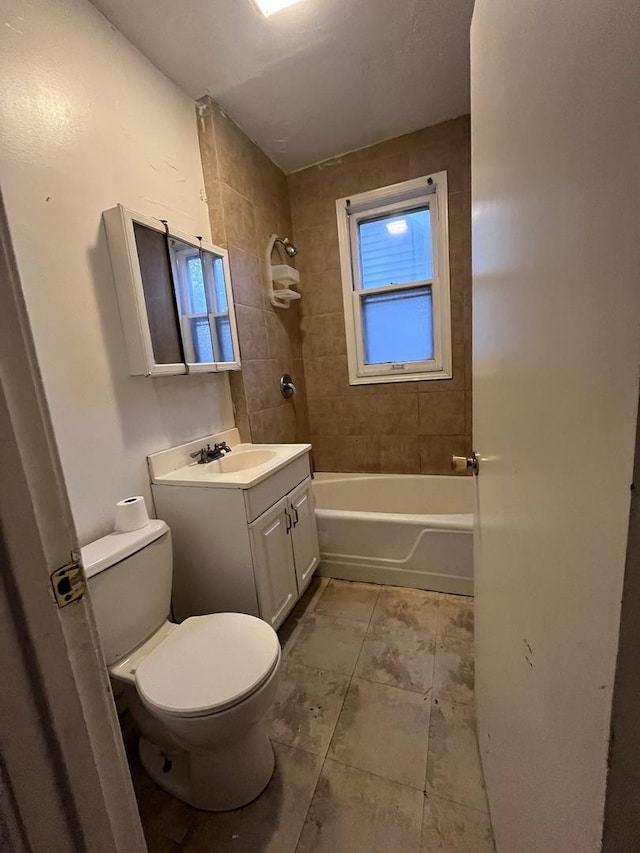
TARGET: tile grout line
(325,757)
(433,696)
(386,779)
(355,666)
(457,803)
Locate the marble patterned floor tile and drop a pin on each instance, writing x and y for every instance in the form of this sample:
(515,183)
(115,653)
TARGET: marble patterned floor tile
(384,730)
(158,843)
(307,707)
(453,679)
(287,630)
(400,658)
(311,596)
(270,824)
(453,763)
(451,828)
(355,812)
(348,600)
(326,642)
(398,608)
(456,617)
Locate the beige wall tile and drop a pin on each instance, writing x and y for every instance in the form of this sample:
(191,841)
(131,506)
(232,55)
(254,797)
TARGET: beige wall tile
(328,376)
(400,454)
(274,426)
(207,139)
(283,331)
(346,453)
(238,394)
(252,332)
(376,415)
(317,249)
(321,292)
(248,201)
(261,382)
(246,278)
(385,171)
(239,220)
(323,335)
(216,214)
(238,162)
(443,413)
(244,428)
(436,452)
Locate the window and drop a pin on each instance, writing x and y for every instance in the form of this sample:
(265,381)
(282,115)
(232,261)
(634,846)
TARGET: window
(394,252)
(203,305)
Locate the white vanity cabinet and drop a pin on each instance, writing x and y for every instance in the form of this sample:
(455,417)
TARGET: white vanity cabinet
(284,545)
(246,548)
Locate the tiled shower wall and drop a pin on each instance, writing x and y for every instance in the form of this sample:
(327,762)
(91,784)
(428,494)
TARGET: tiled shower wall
(404,427)
(248,201)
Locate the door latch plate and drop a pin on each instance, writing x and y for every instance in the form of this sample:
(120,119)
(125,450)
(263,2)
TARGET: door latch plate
(68,584)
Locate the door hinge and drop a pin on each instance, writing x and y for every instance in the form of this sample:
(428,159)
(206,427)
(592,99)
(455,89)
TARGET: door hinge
(68,584)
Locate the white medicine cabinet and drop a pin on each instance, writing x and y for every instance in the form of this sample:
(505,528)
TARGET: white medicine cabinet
(175,298)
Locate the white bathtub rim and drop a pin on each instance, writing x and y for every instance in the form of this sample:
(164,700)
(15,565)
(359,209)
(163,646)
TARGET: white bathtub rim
(463,521)
(336,477)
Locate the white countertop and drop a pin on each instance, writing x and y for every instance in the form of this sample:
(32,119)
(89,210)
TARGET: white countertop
(212,474)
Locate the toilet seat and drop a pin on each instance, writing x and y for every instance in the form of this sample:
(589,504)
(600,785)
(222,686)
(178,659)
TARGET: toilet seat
(208,664)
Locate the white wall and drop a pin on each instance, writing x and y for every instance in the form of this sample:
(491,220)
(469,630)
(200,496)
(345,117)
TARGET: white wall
(87,122)
(556,279)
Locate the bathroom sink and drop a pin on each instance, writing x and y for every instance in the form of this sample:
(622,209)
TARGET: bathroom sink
(244,467)
(241,460)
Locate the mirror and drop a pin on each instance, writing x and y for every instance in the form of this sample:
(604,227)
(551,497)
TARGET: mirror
(203,296)
(157,285)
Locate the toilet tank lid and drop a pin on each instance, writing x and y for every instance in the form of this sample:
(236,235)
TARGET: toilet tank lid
(106,552)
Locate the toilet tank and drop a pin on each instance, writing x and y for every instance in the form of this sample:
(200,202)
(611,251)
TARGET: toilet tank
(129,580)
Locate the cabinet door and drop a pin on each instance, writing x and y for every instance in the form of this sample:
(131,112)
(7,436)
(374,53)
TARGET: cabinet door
(304,533)
(273,567)
(144,285)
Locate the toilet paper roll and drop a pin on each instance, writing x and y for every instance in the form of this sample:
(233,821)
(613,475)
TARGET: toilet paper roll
(131,514)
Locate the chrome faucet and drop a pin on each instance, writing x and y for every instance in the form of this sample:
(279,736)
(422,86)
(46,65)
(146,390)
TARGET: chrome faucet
(209,454)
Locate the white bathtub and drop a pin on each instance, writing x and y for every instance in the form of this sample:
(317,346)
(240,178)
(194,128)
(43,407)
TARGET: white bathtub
(404,530)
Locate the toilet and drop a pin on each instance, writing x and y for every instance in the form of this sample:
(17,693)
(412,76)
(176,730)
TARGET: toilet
(198,691)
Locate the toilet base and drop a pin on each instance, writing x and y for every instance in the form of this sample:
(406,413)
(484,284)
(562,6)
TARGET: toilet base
(218,780)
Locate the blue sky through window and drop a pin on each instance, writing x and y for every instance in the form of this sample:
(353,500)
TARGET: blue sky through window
(396,249)
(398,326)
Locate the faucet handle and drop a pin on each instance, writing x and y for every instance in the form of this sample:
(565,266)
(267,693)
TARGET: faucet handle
(200,455)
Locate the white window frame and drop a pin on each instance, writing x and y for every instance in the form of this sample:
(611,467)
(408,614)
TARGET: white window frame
(179,260)
(430,191)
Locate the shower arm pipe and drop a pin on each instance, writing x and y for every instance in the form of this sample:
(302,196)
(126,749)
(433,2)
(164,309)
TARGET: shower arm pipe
(283,298)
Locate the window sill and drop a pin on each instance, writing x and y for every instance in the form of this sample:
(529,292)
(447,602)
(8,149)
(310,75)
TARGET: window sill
(386,378)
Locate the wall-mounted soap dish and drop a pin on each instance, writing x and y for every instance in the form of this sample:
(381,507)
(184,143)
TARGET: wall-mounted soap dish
(282,277)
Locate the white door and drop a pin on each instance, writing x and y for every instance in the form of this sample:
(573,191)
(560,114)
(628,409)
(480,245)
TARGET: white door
(556,312)
(65,781)
(304,534)
(273,563)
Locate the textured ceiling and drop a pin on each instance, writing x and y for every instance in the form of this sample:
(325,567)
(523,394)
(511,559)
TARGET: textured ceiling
(318,79)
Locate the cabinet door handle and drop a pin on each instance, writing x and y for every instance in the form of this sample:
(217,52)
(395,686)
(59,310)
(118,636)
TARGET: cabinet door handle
(289,524)
(296,517)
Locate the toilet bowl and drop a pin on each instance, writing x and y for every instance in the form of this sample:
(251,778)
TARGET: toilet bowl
(198,691)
